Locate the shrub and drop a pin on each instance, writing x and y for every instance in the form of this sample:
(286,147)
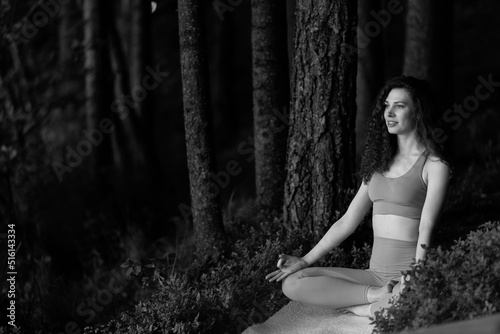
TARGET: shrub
(226,296)
(452,285)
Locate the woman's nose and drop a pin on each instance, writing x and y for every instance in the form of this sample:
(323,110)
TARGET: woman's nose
(389,112)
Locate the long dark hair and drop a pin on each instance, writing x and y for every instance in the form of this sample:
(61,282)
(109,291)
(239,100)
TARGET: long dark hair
(381,146)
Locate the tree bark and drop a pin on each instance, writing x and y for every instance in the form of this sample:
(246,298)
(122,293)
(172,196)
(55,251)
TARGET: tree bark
(428,55)
(428,51)
(67,33)
(67,120)
(270,99)
(321,143)
(98,84)
(139,42)
(207,217)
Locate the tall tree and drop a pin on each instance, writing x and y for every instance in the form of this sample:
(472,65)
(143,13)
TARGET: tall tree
(207,217)
(429,27)
(428,49)
(64,122)
(139,45)
(370,70)
(321,143)
(68,22)
(129,134)
(270,99)
(98,81)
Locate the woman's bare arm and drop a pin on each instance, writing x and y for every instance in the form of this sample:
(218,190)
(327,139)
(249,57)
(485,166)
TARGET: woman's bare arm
(344,227)
(437,185)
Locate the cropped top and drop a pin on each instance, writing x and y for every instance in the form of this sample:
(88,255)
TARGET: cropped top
(402,196)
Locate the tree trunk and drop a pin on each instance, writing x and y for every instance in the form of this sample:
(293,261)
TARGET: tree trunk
(207,217)
(270,97)
(98,85)
(65,123)
(428,50)
(67,32)
(321,143)
(141,184)
(428,43)
(139,10)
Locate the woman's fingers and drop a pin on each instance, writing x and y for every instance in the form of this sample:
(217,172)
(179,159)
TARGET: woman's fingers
(272,275)
(277,276)
(282,260)
(282,276)
(281,273)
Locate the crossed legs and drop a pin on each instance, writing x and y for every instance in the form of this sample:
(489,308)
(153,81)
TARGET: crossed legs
(336,288)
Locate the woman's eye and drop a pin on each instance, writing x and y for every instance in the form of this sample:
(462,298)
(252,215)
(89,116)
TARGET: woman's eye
(400,106)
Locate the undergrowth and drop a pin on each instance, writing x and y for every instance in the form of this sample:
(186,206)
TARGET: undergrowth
(456,284)
(229,295)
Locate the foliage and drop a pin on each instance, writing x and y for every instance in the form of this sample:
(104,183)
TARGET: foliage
(452,285)
(225,296)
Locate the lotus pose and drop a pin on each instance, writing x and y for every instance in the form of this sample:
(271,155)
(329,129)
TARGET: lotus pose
(405,178)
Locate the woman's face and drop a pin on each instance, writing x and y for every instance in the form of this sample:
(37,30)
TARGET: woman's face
(399,111)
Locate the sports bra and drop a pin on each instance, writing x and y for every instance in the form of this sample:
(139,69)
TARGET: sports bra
(402,196)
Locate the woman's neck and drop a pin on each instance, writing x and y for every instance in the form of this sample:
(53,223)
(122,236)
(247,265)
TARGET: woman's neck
(408,144)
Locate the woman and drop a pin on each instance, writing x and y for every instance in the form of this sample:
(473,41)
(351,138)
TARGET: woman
(405,178)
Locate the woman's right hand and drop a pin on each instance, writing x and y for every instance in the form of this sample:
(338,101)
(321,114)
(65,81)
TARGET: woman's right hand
(287,265)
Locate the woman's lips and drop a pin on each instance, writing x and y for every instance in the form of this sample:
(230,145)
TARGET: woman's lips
(391,123)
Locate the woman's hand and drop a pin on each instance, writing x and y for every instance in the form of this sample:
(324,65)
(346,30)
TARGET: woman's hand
(287,265)
(403,281)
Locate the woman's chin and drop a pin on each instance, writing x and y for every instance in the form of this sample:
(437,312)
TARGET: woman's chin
(392,131)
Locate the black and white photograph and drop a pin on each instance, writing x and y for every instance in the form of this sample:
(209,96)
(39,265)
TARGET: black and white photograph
(249,166)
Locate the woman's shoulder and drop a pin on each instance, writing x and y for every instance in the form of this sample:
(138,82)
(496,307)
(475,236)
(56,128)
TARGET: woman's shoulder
(435,166)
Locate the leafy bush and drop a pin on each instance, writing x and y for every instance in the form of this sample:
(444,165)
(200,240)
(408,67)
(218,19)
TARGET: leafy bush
(452,285)
(227,296)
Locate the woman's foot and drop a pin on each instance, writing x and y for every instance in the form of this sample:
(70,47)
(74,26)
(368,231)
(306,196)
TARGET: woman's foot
(359,310)
(377,293)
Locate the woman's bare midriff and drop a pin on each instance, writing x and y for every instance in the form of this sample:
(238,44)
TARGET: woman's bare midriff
(395,227)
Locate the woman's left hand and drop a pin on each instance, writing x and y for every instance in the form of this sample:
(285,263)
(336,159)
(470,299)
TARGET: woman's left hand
(287,265)
(404,281)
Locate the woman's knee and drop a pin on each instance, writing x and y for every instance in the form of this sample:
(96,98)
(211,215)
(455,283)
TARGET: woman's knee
(291,284)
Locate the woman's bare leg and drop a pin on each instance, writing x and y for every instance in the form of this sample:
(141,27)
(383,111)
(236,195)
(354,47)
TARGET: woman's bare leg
(386,293)
(384,302)
(333,287)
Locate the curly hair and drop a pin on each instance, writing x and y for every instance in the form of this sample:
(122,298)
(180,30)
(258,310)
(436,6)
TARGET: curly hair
(381,146)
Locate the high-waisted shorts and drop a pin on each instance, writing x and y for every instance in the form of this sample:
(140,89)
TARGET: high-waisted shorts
(390,257)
